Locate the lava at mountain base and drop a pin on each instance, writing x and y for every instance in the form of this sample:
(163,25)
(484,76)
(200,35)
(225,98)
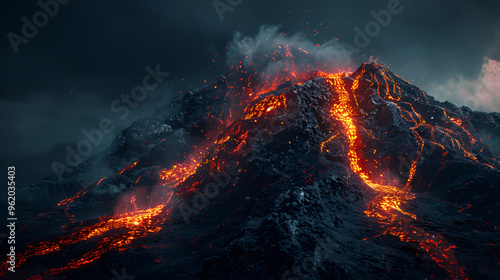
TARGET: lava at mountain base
(402,182)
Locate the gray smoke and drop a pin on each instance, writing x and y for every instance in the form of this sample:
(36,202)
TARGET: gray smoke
(271,51)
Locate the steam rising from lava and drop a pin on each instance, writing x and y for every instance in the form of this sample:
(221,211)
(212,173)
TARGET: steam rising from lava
(271,52)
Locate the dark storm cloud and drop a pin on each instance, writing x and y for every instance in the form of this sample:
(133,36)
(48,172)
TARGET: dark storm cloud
(91,52)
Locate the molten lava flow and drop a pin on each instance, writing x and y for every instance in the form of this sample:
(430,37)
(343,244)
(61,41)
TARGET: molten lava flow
(120,230)
(322,146)
(266,105)
(386,207)
(179,172)
(133,225)
(82,192)
(128,168)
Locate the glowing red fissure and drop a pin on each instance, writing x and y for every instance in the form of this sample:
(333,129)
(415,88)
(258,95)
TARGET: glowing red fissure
(387,206)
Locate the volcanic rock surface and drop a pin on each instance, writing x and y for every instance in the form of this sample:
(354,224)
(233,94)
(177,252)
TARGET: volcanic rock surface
(317,176)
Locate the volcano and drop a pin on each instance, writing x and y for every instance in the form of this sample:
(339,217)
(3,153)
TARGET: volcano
(310,175)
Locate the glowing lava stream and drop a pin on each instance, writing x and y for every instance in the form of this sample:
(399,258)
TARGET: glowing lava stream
(134,225)
(119,230)
(129,226)
(386,206)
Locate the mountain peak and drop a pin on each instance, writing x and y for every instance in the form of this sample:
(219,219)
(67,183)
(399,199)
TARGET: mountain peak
(254,174)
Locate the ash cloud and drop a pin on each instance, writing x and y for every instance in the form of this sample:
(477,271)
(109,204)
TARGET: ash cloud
(271,51)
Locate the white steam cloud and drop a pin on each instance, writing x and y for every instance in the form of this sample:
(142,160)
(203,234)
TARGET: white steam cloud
(482,94)
(271,51)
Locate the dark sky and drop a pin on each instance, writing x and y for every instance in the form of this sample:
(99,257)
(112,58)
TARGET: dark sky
(66,77)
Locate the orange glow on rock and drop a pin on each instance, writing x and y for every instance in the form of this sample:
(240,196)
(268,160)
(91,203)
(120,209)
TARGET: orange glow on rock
(387,206)
(268,104)
(179,172)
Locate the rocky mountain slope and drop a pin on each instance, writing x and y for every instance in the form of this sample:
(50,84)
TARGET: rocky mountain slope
(309,176)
